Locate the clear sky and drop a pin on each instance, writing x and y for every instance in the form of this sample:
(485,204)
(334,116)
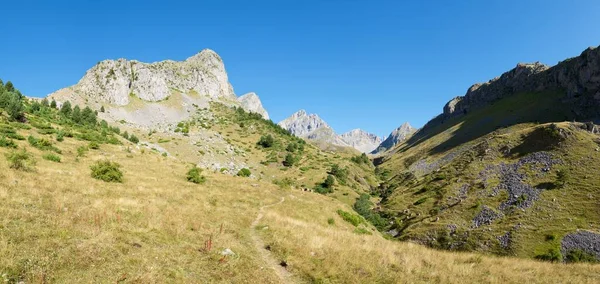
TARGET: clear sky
(358,64)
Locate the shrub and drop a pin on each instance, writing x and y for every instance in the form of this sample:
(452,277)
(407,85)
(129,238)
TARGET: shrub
(578,255)
(134,139)
(362,231)
(8,143)
(363,207)
(93,145)
(20,160)
(266,141)
(164,154)
(107,171)
(290,160)
(420,201)
(53,104)
(339,173)
(102,109)
(81,150)
(194,175)
(42,144)
(60,136)
(244,172)
(552,254)
(361,159)
(292,147)
(51,157)
(353,219)
(331,221)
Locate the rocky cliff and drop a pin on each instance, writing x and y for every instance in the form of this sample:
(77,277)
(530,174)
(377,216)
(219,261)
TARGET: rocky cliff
(116,82)
(361,140)
(398,135)
(251,103)
(578,78)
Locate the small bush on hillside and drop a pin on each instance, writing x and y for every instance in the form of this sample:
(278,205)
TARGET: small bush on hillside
(361,159)
(326,186)
(284,183)
(562,176)
(93,145)
(244,172)
(21,160)
(292,147)
(266,141)
(353,219)
(51,157)
(42,144)
(331,221)
(7,143)
(81,150)
(60,136)
(578,255)
(552,255)
(107,171)
(290,160)
(194,175)
(134,139)
(363,207)
(338,172)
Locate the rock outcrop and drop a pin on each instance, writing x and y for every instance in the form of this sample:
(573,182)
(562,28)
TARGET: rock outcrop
(116,82)
(361,140)
(312,127)
(578,78)
(398,135)
(251,103)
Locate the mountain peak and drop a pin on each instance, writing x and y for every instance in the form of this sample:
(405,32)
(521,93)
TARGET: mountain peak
(361,140)
(251,103)
(398,135)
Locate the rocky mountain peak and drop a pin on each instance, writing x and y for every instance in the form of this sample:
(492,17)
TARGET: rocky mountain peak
(116,82)
(251,103)
(398,135)
(303,124)
(361,140)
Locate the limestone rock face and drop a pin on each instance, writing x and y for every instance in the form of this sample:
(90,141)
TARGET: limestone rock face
(116,82)
(361,140)
(578,78)
(251,103)
(398,135)
(312,127)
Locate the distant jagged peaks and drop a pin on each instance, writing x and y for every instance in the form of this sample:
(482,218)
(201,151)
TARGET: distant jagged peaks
(398,135)
(361,140)
(312,127)
(251,103)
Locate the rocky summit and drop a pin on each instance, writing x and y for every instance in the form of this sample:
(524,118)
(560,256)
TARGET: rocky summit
(251,103)
(398,135)
(312,127)
(361,140)
(156,95)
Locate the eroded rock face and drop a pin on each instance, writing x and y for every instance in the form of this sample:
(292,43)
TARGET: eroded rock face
(311,126)
(251,103)
(398,135)
(579,76)
(361,140)
(118,81)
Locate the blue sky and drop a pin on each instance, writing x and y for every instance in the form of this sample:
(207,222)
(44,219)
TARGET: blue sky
(358,64)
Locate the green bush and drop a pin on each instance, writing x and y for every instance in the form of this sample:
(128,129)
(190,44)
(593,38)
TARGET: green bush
(81,150)
(552,255)
(266,141)
(8,143)
(93,145)
(194,175)
(361,159)
(42,144)
(338,172)
(331,221)
(21,160)
(107,171)
(578,255)
(51,157)
(290,160)
(134,139)
(353,219)
(363,207)
(362,231)
(244,172)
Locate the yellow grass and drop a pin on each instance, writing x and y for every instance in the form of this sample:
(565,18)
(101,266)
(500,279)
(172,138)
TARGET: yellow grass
(58,225)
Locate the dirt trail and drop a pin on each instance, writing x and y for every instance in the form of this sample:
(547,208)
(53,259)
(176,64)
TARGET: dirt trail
(284,275)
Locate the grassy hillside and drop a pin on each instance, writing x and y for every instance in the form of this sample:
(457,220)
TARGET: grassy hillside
(84,201)
(500,179)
